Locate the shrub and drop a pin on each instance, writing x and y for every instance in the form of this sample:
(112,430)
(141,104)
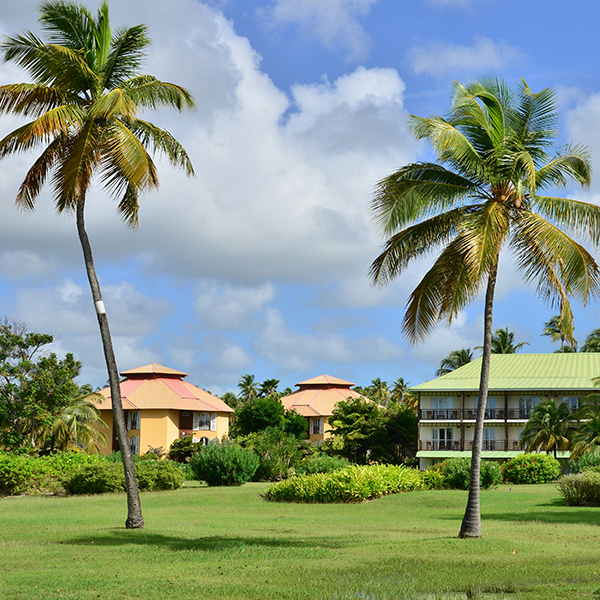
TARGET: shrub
(95,478)
(582,489)
(433,480)
(353,484)
(226,464)
(457,473)
(590,459)
(321,463)
(182,449)
(531,468)
(153,475)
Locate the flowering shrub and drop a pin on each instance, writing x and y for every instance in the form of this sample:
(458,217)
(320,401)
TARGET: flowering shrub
(352,484)
(531,468)
(457,473)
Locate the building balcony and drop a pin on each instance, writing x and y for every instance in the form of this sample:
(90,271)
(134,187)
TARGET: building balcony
(470,414)
(456,445)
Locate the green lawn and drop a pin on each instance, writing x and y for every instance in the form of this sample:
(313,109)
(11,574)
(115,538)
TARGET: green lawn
(204,542)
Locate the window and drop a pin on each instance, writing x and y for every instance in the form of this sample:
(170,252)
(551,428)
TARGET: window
(202,421)
(571,401)
(442,438)
(526,406)
(135,444)
(441,407)
(489,438)
(204,441)
(317,425)
(133,419)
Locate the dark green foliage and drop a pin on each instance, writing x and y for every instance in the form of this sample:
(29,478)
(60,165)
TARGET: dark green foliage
(279,452)
(590,459)
(457,472)
(257,415)
(224,464)
(321,463)
(531,468)
(353,484)
(154,475)
(99,478)
(182,449)
(581,489)
(295,424)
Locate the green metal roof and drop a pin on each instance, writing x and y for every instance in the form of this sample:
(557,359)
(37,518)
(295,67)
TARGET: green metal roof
(485,454)
(523,372)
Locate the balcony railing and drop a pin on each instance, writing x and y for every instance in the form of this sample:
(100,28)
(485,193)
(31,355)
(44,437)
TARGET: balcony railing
(455,445)
(470,414)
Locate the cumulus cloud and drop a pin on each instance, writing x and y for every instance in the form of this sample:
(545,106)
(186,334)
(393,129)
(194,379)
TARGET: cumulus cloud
(335,23)
(483,56)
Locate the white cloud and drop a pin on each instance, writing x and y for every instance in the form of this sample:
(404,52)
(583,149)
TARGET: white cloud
(482,57)
(335,23)
(294,351)
(229,308)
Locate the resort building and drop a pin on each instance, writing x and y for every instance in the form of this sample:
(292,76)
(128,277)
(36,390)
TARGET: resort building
(161,407)
(518,382)
(315,400)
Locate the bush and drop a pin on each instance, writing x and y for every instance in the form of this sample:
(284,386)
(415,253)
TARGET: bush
(321,463)
(353,484)
(531,468)
(153,475)
(582,489)
(182,449)
(456,473)
(591,459)
(226,464)
(96,478)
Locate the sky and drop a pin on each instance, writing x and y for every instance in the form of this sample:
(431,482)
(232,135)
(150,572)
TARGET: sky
(259,264)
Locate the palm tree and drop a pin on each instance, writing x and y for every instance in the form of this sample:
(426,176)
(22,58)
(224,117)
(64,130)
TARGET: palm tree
(400,393)
(379,391)
(454,360)
(560,329)
(592,342)
(586,437)
(482,195)
(549,428)
(503,342)
(86,93)
(268,388)
(248,388)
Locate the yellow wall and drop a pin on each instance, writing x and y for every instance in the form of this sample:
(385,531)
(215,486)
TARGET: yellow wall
(107,417)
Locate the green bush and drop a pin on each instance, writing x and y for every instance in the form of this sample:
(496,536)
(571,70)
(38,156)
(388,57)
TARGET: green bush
(153,475)
(456,473)
(96,478)
(591,459)
(224,464)
(531,468)
(433,480)
(582,489)
(353,484)
(182,449)
(321,463)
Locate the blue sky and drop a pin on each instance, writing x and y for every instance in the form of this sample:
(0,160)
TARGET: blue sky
(259,264)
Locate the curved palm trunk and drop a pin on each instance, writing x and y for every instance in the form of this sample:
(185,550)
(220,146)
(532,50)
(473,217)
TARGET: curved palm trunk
(471,524)
(135,520)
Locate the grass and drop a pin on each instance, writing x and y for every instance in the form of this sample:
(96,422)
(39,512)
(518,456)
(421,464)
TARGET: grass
(202,542)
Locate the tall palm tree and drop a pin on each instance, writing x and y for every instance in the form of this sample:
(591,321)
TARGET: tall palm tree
(586,437)
(379,391)
(550,428)
(401,394)
(84,101)
(482,195)
(560,329)
(248,388)
(503,342)
(592,342)
(454,360)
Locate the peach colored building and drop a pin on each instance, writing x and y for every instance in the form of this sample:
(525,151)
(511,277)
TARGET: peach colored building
(315,400)
(161,407)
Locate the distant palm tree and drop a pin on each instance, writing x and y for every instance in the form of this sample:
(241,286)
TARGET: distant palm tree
(85,97)
(560,329)
(400,394)
(549,428)
(592,342)
(268,387)
(454,360)
(486,193)
(379,391)
(248,388)
(503,342)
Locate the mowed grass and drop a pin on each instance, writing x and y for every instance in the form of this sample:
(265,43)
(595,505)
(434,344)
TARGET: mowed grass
(202,542)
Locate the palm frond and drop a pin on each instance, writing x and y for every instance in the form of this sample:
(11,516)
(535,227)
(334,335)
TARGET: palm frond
(572,161)
(148,92)
(127,52)
(29,99)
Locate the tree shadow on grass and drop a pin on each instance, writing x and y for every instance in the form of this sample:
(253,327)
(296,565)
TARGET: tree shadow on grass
(119,537)
(575,514)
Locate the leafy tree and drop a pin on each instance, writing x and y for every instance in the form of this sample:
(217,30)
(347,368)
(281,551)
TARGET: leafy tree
(295,424)
(34,387)
(485,193)
(401,425)
(454,360)
(592,342)
(560,329)
(230,399)
(85,96)
(549,428)
(258,415)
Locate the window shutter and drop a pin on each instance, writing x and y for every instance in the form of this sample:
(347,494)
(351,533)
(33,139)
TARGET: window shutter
(128,420)
(213,422)
(196,422)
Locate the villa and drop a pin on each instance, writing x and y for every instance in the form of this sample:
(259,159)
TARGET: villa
(161,407)
(315,400)
(448,404)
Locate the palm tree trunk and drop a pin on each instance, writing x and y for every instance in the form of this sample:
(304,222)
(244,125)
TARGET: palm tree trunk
(135,520)
(471,524)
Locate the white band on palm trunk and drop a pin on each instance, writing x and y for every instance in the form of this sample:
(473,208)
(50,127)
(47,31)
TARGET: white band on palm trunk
(100,310)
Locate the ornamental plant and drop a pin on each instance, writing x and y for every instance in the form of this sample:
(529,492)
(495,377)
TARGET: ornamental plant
(457,472)
(581,489)
(224,464)
(531,468)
